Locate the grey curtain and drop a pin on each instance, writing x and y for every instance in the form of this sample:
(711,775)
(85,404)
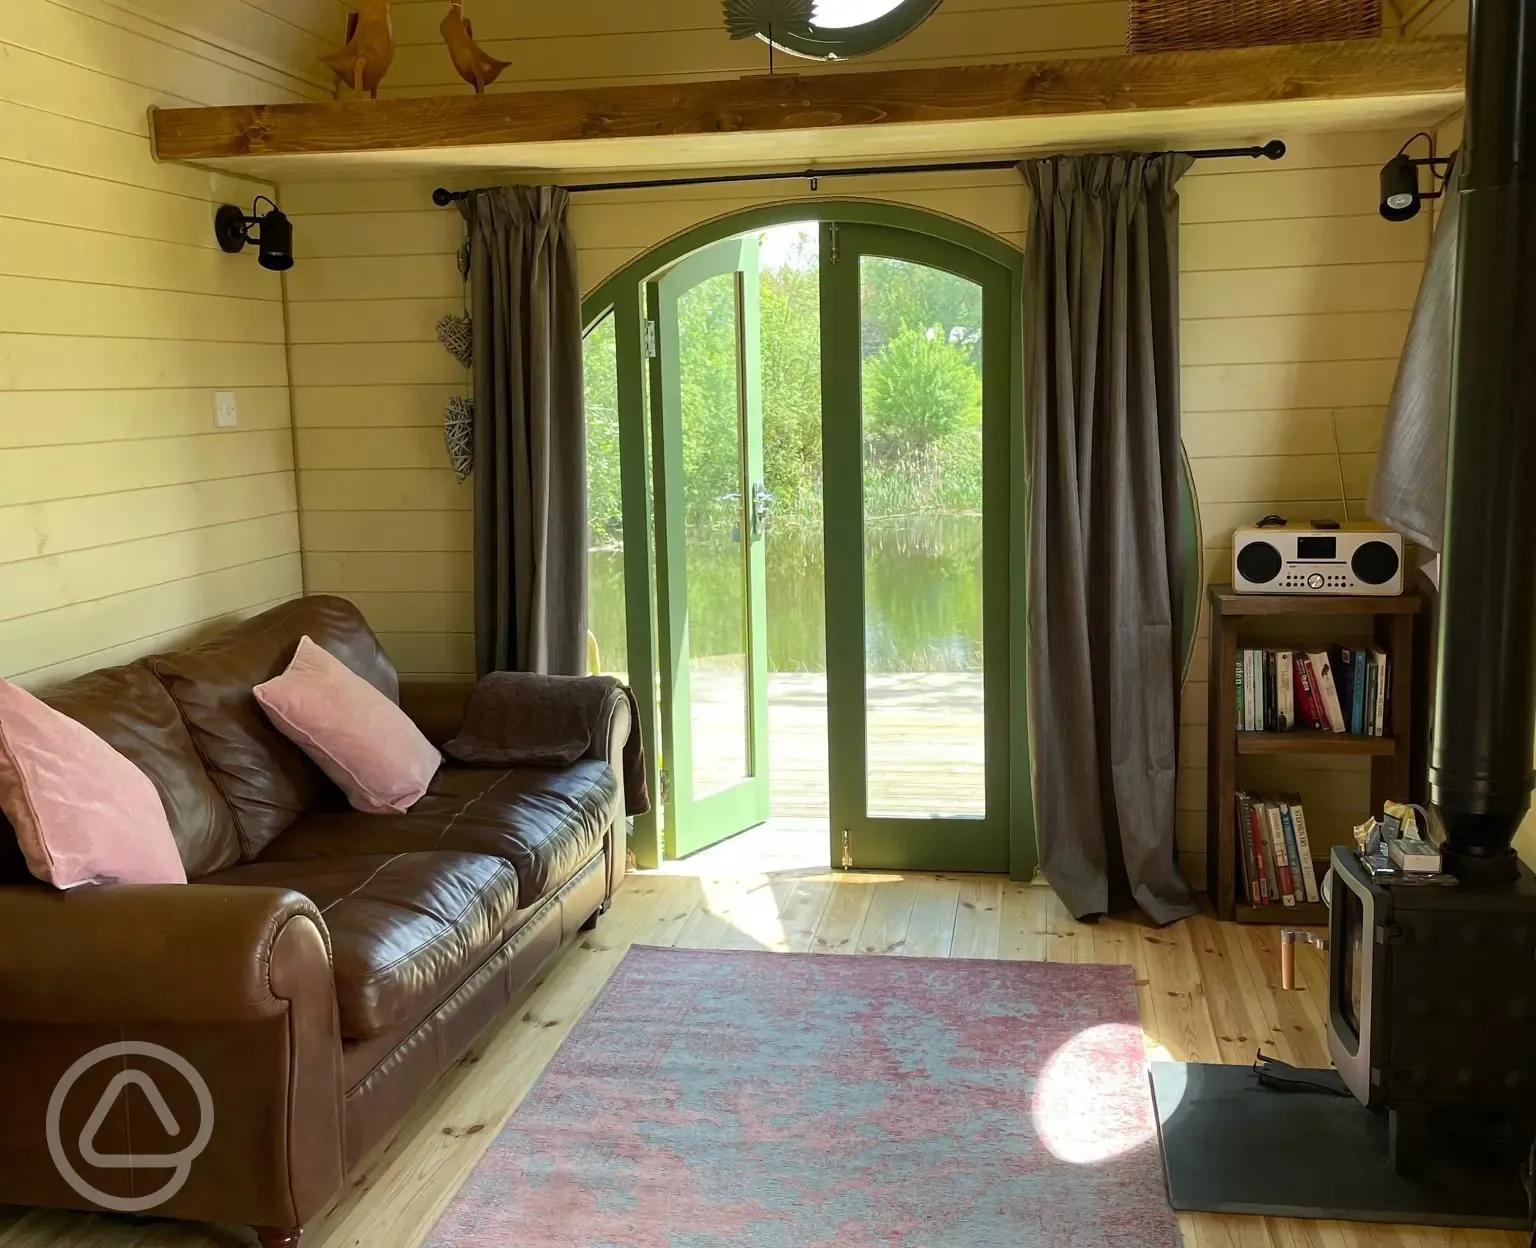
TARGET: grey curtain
(530,434)
(1408,490)
(1101,378)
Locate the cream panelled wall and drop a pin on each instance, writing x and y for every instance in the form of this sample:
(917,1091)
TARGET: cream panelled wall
(618,41)
(127,522)
(1436,17)
(1296,298)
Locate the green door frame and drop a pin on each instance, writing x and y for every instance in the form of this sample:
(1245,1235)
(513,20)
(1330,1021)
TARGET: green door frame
(623,294)
(692,823)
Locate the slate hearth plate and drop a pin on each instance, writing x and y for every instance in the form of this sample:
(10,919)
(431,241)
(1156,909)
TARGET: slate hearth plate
(1231,1146)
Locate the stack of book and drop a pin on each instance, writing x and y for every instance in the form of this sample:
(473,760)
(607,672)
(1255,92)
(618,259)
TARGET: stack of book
(1275,854)
(1336,690)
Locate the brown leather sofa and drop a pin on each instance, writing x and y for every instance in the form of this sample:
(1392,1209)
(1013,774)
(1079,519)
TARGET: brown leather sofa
(323,968)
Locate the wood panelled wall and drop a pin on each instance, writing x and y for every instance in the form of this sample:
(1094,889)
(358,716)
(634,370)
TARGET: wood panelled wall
(1436,17)
(617,41)
(127,523)
(1296,299)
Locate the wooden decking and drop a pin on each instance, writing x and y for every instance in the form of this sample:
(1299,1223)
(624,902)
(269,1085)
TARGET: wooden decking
(925,741)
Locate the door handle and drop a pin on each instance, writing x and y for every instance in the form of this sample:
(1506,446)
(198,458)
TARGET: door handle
(762,508)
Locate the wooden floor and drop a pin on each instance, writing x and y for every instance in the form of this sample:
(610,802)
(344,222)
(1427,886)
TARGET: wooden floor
(1208,992)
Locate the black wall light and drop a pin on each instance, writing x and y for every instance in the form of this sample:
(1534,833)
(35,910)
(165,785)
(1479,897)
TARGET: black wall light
(1401,197)
(274,235)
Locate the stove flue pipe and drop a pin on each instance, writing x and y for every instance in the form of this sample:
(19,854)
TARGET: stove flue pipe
(1481,771)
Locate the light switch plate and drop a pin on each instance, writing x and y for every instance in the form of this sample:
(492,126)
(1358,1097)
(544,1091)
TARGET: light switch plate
(226,414)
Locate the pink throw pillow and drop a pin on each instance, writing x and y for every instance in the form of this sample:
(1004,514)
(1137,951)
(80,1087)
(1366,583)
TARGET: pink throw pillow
(83,813)
(356,735)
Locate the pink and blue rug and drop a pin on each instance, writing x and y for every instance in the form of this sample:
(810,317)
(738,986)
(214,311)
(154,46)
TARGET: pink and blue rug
(712,1099)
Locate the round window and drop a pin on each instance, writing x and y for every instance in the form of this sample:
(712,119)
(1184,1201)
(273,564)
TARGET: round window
(844,28)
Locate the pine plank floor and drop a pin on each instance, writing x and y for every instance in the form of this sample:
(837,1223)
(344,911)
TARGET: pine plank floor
(1208,991)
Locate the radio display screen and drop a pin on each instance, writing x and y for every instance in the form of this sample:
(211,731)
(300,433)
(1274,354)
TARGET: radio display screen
(1317,548)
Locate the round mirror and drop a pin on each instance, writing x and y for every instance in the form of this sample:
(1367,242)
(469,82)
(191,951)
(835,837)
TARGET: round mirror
(846,28)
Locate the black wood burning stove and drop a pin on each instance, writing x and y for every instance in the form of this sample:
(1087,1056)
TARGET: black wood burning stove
(1432,1006)
(1430,1115)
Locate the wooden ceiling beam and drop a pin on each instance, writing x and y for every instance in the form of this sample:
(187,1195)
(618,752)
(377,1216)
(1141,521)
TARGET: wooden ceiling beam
(788,103)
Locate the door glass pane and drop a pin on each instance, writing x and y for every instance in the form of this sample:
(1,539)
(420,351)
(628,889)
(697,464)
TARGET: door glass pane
(715,546)
(922,341)
(789,275)
(608,643)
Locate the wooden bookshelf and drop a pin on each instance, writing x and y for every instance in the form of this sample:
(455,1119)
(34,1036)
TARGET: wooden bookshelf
(1310,741)
(1393,631)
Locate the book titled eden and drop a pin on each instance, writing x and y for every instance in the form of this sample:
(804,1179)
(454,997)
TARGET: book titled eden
(1332,690)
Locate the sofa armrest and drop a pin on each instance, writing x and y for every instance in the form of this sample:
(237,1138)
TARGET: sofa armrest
(172,953)
(613,735)
(436,706)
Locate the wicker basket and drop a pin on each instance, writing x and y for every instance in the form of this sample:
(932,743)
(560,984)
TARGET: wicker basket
(1179,25)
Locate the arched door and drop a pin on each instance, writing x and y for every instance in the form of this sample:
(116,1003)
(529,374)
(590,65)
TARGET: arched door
(918,555)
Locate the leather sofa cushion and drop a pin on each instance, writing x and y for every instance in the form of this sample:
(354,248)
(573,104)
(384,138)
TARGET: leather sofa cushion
(131,711)
(266,779)
(406,929)
(547,823)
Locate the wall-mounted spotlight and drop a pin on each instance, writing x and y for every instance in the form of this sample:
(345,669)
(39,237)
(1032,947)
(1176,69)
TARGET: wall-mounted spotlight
(274,235)
(1401,197)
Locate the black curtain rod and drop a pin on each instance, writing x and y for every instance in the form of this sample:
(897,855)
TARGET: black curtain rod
(1273,150)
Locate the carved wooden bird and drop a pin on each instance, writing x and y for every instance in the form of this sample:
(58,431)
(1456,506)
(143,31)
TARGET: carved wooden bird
(475,66)
(370,48)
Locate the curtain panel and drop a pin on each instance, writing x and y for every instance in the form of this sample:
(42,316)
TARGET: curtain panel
(1101,384)
(530,470)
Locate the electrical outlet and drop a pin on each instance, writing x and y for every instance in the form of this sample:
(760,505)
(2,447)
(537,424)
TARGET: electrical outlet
(226,414)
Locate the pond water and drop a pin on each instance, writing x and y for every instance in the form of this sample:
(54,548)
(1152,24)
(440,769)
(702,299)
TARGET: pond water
(923,582)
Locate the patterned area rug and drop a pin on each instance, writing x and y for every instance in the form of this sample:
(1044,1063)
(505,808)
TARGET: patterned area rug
(791,1101)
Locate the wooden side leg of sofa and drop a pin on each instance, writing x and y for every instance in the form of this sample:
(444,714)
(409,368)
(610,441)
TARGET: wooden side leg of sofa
(591,924)
(278,1237)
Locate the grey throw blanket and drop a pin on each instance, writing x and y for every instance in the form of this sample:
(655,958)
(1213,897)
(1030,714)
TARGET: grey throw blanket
(519,719)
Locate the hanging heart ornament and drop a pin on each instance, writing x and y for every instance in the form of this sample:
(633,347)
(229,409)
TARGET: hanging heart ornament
(457,334)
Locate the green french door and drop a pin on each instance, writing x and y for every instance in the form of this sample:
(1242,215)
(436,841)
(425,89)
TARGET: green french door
(711,509)
(918,509)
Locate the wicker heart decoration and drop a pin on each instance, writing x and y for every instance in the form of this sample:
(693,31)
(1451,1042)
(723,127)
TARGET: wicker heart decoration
(459,434)
(457,334)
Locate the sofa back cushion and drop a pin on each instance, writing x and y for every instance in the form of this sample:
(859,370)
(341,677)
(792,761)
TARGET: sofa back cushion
(267,780)
(129,709)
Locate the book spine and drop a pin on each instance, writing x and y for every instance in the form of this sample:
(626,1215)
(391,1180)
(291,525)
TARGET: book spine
(1340,660)
(1277,847)
(1250,868)
(1271,703)
(1304,844)
(1357,689)
(1372,728)
(1384,693)
(1308,696)
(1292,852)
(1328,691)
(1242,659)
(1268,890)
(1250,689)
(1285,686)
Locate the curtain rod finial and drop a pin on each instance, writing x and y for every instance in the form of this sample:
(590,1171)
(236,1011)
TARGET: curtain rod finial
(1273,150)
